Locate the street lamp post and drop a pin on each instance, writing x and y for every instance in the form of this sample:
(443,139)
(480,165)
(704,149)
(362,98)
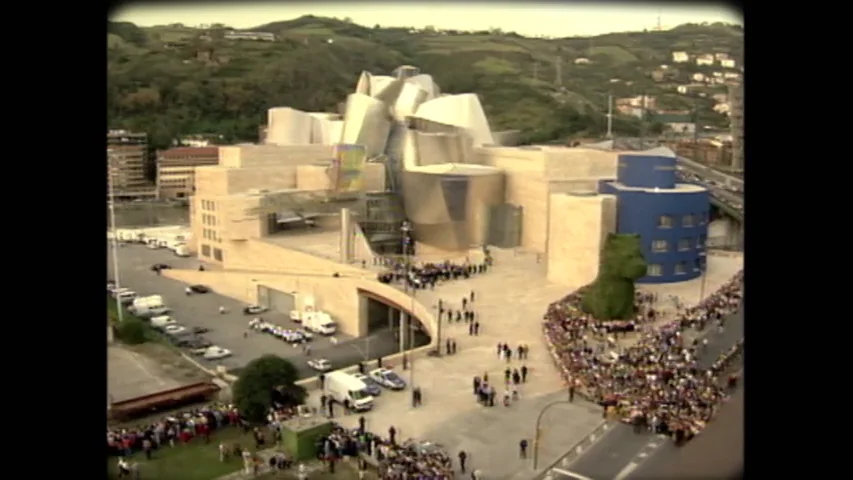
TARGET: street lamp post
(111,169)
(538,432)
(406,228)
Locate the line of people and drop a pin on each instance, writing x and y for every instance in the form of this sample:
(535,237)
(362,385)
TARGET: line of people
(427,275)
(657,381)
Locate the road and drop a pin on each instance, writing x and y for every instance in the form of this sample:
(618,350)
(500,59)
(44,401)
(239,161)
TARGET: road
(621,451)
(201,310)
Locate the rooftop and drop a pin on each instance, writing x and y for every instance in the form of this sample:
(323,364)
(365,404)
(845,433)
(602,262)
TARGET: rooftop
(679,188)
(457,168)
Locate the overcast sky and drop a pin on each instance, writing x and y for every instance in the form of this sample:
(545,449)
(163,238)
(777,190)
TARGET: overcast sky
(552,19)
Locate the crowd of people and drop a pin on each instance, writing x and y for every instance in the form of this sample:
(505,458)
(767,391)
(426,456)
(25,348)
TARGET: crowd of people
(657,382)
(394,460)
(428,275)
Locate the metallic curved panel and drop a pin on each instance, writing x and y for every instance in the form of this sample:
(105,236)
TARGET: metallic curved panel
(410,150)
(363,85)
(366,123)
(462,111)
(410,97)
(449,204)
(389,92)
(427,83)
(438,148)
(379,82)
(405,71)
(287,126)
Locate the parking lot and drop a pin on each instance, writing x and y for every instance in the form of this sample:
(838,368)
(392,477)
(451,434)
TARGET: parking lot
(227,330)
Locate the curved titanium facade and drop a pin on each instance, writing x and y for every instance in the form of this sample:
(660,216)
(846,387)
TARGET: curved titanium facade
(366,123)
(407,102)
(646,171)
(462,111)
(439,148)
(286,126)
(673,225)
(449,205)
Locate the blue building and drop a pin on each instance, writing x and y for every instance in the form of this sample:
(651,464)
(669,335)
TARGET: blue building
(671,218)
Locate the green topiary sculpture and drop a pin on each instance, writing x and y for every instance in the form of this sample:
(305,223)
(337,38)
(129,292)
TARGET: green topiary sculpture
(611,295)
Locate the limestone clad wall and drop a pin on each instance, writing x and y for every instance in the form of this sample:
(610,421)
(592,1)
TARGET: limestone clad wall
(561,163)
(531,192)
(313,177)
(241,180)
(243,156)
(577,230)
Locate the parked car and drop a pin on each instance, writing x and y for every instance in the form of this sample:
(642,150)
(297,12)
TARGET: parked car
(175,329)
(187,340)
(372,387)
(215,353)
(199,288)
(306,335)
(195,343)
(159,266)
(320,364)
(254,309)
(200,330)
(388,379)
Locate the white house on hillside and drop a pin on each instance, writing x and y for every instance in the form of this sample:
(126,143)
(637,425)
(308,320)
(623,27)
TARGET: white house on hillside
(705,60)
(727,63)
(698,77)
(680,57)
(582,61)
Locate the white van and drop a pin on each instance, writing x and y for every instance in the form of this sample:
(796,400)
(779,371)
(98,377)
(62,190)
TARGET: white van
(181,250)
(319,322)
(348,391)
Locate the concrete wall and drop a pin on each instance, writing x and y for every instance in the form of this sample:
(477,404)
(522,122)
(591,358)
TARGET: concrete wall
(312,276)
(317,177)
(242,156)
(577,230)
(564,163)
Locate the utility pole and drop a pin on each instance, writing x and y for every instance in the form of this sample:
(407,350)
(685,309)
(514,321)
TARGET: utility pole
(609,116)
(114,245)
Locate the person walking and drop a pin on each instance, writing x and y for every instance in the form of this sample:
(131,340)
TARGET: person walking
(522,448)
(462,458)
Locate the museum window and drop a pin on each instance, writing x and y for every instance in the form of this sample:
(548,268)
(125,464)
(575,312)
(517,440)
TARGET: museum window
(664,221)
(681,268)
(205,250)
(697,265)
(684,245)
(703,218)
(687,221)
(660,246)
(654,270)
(217,254)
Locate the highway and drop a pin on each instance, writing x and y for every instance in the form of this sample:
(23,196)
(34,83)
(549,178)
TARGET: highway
(621,452)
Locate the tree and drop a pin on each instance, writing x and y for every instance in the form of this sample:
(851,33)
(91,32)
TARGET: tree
(132,330)
(611,295)
(255,390)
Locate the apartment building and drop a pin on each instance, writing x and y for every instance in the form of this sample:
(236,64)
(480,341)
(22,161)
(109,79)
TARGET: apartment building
(127,162)
(176,169)
(736,115)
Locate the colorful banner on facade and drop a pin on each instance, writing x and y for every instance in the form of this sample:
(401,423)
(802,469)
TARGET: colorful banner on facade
(348,167)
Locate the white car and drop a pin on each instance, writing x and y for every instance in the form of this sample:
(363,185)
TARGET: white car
(174,329)
(216,353)
(254,309)
(388,379)
(320,364)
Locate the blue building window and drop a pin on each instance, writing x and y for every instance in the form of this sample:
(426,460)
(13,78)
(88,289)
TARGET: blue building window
(697,265)
(654,270)
(660,246)
(703,218)
(665,221)
(687,221)
(701,242)
(684,245)
(681,268)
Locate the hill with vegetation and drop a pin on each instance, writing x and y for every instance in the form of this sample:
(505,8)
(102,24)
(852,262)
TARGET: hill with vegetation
(176,80)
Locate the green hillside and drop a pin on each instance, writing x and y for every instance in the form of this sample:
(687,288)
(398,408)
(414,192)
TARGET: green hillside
(172,80)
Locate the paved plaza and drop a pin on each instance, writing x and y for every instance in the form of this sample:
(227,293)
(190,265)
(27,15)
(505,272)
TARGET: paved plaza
(131,374)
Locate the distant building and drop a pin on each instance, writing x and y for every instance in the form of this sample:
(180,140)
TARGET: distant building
(176,169)
(698,77)
(731,76)
(728,63)
(676,122)
(721,56)
(736,114)
(664,73)
(582,61)
(638,101)
(721,97)
(127,163)
(705,60)
(685,89)
(722,108)
(680,57)
(262,36)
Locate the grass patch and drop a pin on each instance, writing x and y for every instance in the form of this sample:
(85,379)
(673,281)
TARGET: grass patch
(343,471)
(495,66)
(193,461)
(617,54)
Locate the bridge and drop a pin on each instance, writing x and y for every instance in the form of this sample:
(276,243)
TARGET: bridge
(726,193)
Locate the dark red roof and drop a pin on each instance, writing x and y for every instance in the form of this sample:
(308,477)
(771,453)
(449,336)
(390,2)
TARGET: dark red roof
(190,152)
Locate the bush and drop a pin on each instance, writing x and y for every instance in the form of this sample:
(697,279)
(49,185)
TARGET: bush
(132,331)
(258,382)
